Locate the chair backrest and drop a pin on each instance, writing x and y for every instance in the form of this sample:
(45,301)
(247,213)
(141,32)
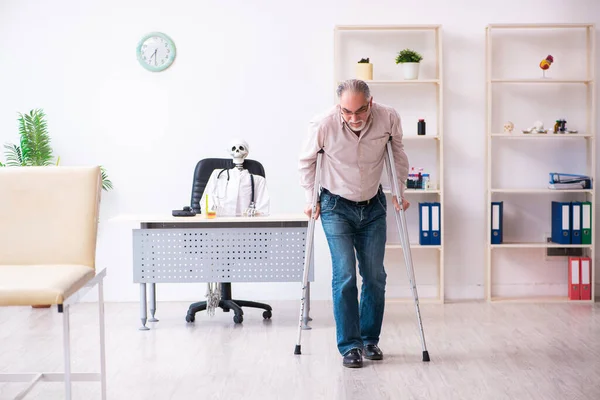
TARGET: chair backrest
(204,169)
(49,215)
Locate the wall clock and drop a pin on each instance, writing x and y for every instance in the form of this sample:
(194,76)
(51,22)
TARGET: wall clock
(156,51)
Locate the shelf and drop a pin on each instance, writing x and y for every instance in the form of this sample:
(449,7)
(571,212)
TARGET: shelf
(379,41)
(576,81)
(548,135)
(540,245)
(541,191)
(415,191)
(422,137)
(544,299)
(541,80)
(387,27)
(412,246)
(540,26)
(404,82)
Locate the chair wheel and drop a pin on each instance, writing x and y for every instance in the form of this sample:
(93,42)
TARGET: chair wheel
(267,314)
(238,319)
(190,318)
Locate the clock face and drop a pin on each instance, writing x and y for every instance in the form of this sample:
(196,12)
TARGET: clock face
(156,52)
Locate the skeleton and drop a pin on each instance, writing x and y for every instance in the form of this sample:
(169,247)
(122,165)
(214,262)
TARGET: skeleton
(239,151)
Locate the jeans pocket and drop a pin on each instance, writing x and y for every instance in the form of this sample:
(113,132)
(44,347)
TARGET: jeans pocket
(382,200)
(328,202)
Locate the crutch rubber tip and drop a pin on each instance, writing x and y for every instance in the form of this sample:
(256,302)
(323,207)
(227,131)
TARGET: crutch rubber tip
(297,349)
(425,356)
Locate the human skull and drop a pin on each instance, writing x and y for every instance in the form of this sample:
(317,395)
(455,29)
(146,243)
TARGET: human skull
(508,126)
(239,151)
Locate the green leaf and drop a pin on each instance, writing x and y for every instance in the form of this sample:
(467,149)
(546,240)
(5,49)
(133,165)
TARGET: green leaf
(106,183)
(35,140)
(14,155)
(408,55)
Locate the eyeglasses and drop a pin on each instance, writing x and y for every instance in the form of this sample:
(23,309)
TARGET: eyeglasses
(360,111)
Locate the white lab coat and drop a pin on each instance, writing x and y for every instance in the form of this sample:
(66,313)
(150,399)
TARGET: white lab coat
(232,197)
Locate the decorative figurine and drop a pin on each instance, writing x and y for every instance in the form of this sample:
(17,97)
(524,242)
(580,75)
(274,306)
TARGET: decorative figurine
(545,64)
(508,127)
(563,126)
(537,127)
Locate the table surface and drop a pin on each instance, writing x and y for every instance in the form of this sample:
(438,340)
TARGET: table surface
(166,217)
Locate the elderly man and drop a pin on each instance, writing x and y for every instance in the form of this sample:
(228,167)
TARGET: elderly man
(353,208)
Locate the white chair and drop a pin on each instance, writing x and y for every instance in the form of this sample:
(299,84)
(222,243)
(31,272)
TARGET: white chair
(48,231)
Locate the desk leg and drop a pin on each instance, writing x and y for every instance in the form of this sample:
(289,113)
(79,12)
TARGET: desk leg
(143,305)
(306,317)
(152,302)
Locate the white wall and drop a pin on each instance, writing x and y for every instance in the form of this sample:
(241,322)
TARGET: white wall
(256,69)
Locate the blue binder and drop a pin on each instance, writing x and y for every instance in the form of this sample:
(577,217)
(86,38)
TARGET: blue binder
(436,224)
(424,224)
(561,222)
(497,213)
(576,218)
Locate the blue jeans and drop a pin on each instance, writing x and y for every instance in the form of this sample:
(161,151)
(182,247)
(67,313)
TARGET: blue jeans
(362,228)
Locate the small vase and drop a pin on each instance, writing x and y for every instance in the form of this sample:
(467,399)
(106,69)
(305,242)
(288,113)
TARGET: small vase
(410,70)
(364,71)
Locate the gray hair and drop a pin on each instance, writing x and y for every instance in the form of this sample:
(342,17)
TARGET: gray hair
(355,86)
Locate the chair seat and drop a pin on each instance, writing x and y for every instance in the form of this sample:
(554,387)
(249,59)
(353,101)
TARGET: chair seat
(30,285)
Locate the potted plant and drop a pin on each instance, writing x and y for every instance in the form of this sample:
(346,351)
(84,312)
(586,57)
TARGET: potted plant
(410,60)
(34,145)
(34,149)
(364,69)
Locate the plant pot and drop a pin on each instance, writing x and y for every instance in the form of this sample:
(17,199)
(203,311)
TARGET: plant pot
(364,71)
(410,70)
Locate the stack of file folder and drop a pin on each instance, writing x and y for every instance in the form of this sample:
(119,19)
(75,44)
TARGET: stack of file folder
(430,223)
(580,274)
(572,222)
(560,181)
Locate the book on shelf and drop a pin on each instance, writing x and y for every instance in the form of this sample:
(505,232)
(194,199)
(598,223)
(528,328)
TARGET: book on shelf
(569,181)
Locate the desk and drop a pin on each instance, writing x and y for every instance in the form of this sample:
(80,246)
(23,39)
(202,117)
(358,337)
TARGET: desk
(226,249)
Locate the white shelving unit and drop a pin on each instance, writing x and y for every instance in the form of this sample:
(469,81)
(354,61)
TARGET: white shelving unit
(381,44)
(572,75)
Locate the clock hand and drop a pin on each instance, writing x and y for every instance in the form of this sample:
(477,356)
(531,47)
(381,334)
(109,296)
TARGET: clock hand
(154,55)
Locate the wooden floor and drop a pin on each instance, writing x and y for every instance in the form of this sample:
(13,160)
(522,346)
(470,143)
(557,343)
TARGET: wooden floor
(478,351)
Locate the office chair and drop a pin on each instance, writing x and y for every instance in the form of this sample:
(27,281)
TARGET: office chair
(202,173)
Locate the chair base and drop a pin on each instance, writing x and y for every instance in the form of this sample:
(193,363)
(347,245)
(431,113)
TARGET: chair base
(226,303)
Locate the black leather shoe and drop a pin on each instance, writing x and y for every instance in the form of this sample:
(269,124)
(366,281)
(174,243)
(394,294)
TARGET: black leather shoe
(372,352)
(353,359)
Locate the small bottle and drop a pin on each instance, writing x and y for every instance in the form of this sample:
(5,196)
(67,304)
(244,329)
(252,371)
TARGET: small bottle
(421,127)
(426,181)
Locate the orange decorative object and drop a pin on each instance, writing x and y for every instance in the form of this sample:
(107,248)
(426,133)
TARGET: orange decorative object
(545,63)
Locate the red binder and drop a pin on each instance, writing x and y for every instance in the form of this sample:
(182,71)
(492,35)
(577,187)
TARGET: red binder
(585,278)
(574,278)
